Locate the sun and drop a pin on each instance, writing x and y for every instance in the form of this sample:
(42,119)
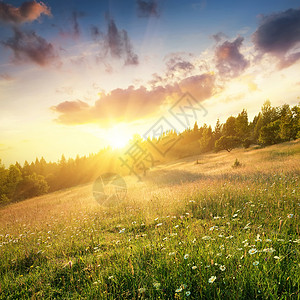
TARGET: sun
(117,137)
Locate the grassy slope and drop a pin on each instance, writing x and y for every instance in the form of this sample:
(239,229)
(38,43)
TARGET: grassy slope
(184,223)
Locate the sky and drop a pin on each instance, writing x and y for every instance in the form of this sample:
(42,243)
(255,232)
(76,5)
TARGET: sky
(77,76)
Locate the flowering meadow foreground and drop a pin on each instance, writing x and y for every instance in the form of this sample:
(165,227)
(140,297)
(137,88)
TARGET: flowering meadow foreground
(187,231)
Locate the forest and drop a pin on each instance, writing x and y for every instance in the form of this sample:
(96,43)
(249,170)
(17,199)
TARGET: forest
(272,125)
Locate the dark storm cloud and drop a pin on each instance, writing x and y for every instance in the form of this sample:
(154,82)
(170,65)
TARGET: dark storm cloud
(28,46)
(229,60)
(278,34)
(27,12)
(127,105)
(147,8)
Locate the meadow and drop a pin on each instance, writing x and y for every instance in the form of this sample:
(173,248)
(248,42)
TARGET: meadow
(188,230)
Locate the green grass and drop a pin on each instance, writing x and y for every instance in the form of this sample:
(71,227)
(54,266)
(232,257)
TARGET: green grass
(163,243)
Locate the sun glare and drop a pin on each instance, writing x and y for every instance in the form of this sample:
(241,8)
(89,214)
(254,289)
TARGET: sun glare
(117,137)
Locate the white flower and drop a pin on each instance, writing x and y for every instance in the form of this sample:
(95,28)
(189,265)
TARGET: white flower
(222,268)
(290,216)
(159,224)
(256,263)
(142,290)
(252,251)
(235,215)
(194,267)
(186,256)
(269,250)
(110,277)
(178,290)
(276,257)
(206,238)
(187,293)
(212,279)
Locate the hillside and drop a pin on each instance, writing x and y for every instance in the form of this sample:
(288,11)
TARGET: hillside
(196,227)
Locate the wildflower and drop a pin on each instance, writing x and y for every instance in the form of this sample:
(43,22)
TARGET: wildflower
(235,215)
(206,238)
(172,253)
(122,230)
(188,293)
(178,290)
(268,240)
(194,267)
(142,290)
(159,224)
(212,279)
(290,216)
(186,256)
(156,285)
(252,251)
(256,263)
(269,250)
(222,268)
(276,257)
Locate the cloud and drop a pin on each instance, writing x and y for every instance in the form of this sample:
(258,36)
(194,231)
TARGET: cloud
(177,65)
(200,86)
(96,33)
(219,36)
(229,60)
(27,12)
(147,9)
(116,43)
(278,34)
(28,46)
(74,31)
(127,105)
(6,77)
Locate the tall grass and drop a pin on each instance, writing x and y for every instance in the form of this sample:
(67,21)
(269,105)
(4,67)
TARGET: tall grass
(218,233)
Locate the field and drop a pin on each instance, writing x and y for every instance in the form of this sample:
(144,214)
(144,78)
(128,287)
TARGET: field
(189,230)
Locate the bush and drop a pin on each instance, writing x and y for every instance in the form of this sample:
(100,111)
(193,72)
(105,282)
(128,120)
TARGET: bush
(236,164)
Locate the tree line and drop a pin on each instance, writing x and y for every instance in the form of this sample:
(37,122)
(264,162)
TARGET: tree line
(270,126)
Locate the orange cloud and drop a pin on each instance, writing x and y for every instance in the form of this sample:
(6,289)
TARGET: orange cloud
(27,12)
(127,105)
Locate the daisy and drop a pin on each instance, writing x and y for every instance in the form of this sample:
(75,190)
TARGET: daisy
(290,216)
(222,268)
(212,279)
(186,256)
(256,263)
(252,251)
